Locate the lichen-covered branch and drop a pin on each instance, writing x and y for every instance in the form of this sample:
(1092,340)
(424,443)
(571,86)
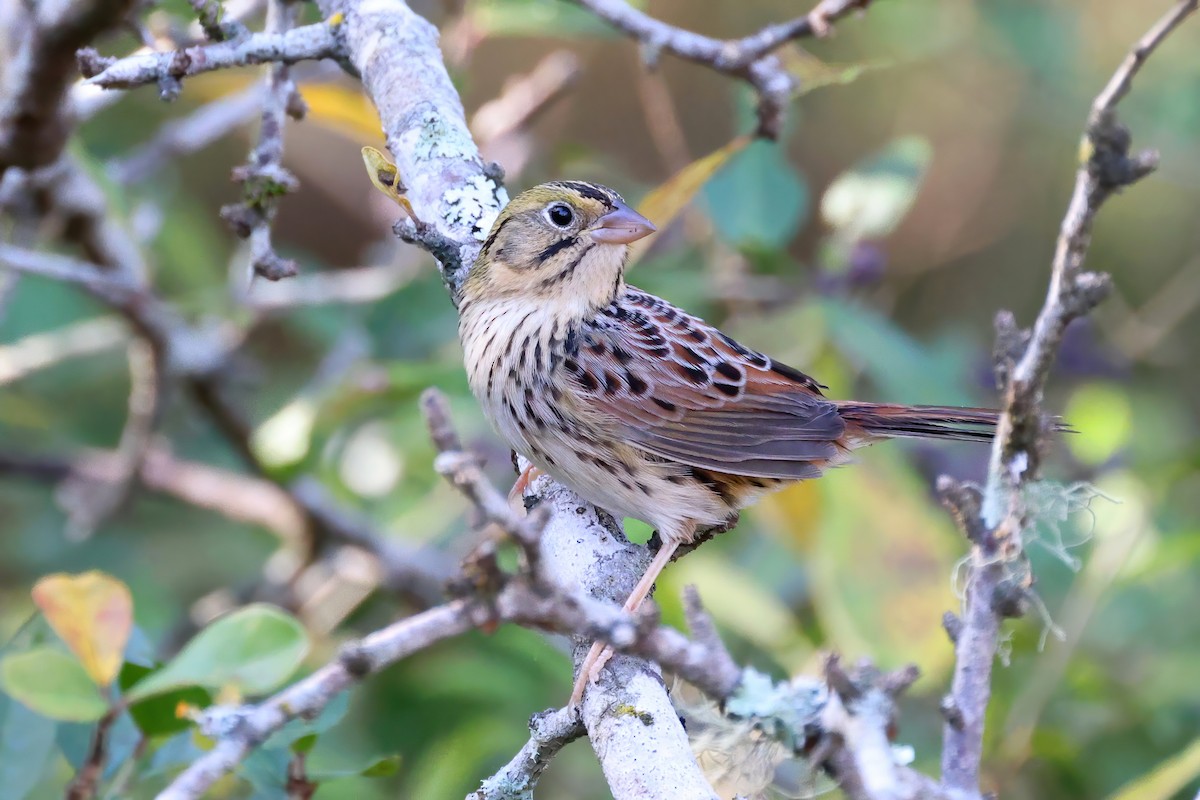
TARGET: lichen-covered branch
(451,189)
(263,179)
(999,581)
(308,42)
(749,58)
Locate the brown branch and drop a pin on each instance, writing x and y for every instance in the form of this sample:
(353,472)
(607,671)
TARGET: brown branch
(39,41)
(999,580)
(87,780)
(748,58)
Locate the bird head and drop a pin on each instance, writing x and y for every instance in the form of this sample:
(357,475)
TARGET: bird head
(565,242)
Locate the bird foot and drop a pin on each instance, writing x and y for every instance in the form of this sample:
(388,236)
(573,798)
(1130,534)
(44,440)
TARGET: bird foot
(527,476)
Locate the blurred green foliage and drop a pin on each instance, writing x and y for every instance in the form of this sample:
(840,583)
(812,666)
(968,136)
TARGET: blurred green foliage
(941,178)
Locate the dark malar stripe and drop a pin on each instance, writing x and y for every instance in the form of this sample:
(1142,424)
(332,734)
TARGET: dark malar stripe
(566,271)
(556,248)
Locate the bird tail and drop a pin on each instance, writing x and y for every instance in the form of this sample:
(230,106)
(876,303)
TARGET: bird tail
(886,420)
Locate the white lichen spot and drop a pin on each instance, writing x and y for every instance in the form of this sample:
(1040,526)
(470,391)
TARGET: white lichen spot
(440,139)
(475,205)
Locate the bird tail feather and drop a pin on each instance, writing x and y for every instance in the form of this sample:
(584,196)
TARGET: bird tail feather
(888,420)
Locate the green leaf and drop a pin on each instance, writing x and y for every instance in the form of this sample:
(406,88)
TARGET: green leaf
(891,357)
(254,649)
(26,742)
(869,200)
(305,743)
(297,729)
(156,716)
(758,200)
(1167,779)
(881,569)
(52,683)
(382,767)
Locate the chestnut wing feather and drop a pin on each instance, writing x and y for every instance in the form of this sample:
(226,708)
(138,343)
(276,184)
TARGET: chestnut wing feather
(679,389)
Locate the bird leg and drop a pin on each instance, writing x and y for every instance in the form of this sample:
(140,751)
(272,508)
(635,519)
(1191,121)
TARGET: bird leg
(598,656)
(527,476)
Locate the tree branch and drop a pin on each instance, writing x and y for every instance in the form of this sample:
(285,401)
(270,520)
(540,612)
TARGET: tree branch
(39,42)
(308,42)
(999,581)
(263,178)
(748,58)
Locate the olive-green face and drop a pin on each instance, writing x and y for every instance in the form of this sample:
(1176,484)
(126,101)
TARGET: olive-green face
(546,222)
(565,241)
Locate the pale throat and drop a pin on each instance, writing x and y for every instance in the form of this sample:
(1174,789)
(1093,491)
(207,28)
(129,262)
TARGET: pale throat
(593,284)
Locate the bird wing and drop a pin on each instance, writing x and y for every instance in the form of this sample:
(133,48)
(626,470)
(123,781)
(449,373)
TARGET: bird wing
(676,387)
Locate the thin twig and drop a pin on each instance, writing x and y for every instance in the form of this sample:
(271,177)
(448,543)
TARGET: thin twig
(999,579)
(87,780)
(263,178)
(549,732)
(748,58)
(308,42)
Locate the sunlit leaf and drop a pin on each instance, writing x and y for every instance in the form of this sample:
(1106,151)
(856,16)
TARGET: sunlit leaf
(870,200)
(1103,418)
(665,202)
(93,614)
(1167,779)
(254,650)
(758,201)
(52,683)
(882,568)
(343,109)
(795,511)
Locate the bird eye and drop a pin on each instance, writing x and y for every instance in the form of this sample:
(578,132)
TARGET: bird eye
(560,214)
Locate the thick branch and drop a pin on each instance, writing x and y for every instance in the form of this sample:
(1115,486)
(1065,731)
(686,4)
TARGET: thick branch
(450,188)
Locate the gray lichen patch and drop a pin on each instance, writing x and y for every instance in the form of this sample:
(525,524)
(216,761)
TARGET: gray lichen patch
(441,139)
(475,205)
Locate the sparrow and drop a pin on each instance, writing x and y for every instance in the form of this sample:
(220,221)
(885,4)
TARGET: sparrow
(639,407)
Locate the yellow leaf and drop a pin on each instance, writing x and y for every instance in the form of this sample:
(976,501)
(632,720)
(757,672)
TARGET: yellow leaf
(795,512)
(343,110)
(664,203)
(93,614)
(882,566)
(340,109)
(1166,780)
(386,178)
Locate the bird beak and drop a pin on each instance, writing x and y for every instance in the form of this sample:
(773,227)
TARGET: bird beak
(622,225)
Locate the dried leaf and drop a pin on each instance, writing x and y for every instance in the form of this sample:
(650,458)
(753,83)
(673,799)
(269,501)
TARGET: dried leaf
(93,614)
(665,203)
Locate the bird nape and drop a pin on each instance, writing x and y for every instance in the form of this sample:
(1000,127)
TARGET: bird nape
(639,407)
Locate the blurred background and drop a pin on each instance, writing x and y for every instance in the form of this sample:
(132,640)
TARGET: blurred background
(918,189)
